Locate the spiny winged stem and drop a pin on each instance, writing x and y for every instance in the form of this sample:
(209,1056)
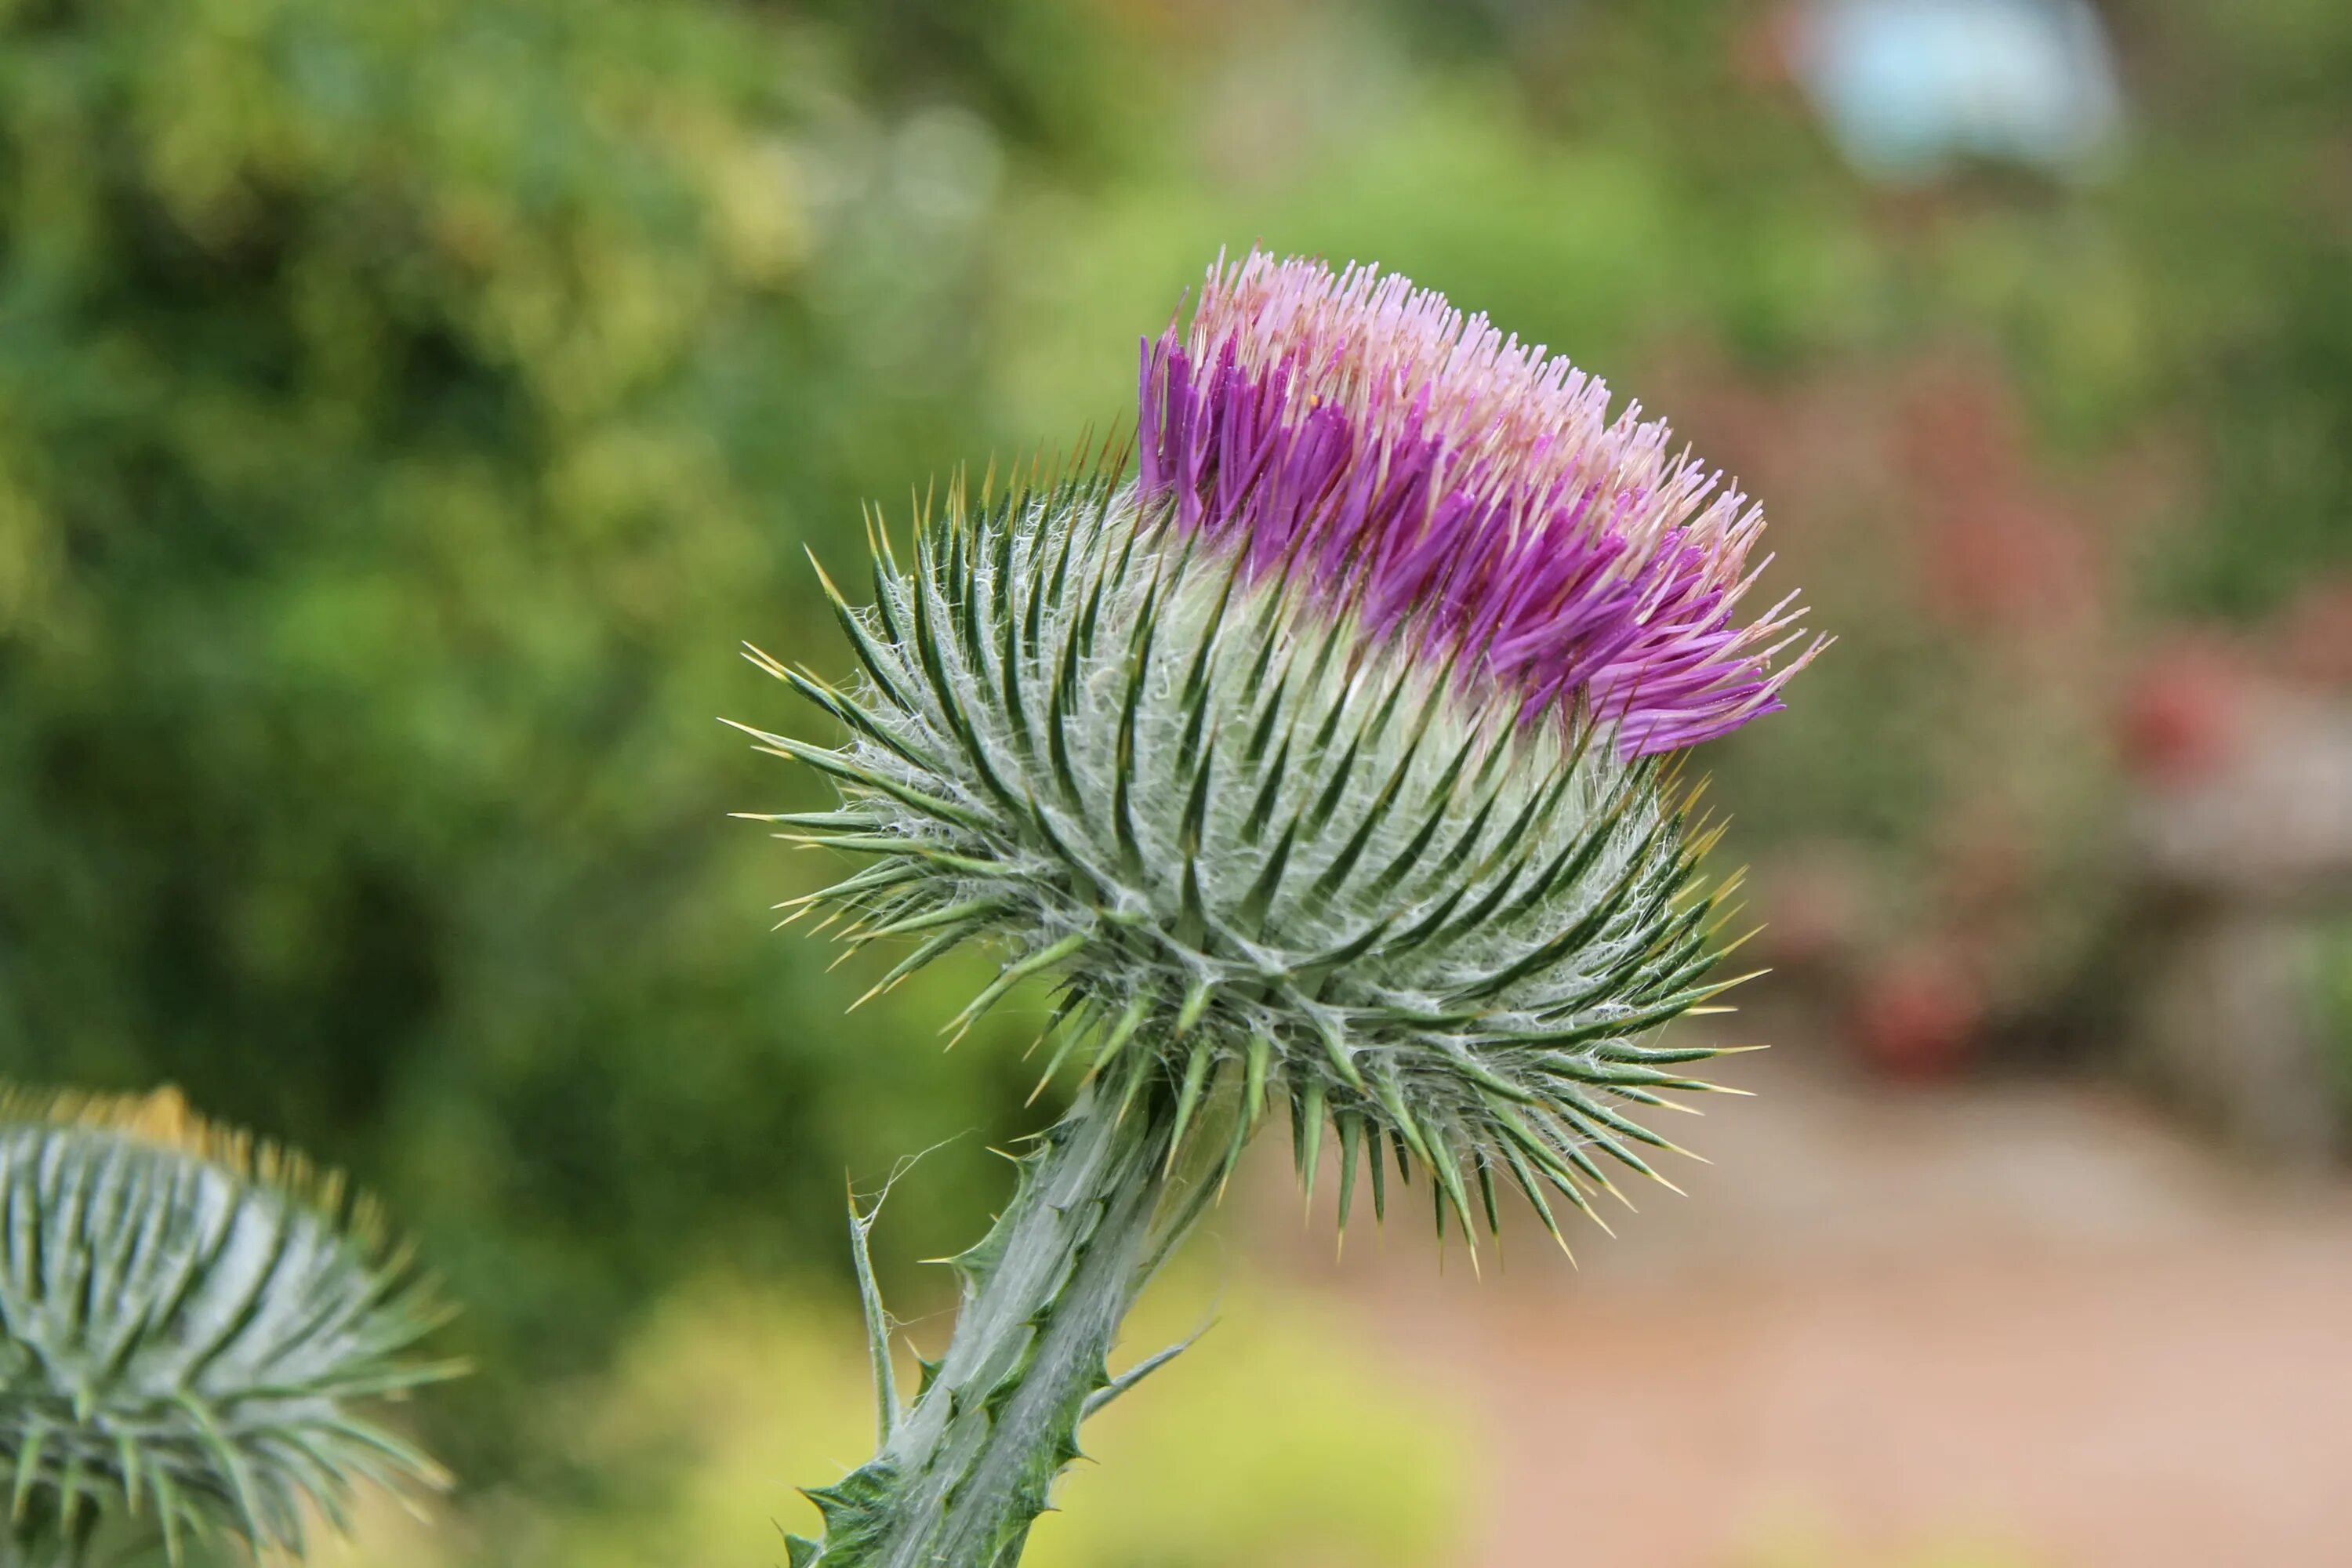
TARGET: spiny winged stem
(961,1474)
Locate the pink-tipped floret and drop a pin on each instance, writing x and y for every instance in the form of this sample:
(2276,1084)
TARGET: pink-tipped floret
(1446,481)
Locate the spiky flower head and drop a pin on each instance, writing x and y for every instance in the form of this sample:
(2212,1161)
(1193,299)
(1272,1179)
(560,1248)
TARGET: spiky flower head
(1331,758)
(191,1321)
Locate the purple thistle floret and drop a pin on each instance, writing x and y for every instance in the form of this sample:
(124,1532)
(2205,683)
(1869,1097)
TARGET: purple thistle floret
(1450,485)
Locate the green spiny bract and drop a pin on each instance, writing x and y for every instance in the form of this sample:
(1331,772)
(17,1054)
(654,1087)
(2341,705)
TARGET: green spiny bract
(190,1321)
(1253,844)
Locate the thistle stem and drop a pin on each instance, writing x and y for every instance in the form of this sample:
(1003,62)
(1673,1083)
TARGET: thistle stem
(960,1477)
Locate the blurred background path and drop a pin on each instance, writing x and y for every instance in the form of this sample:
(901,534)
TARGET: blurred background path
(2005,1322)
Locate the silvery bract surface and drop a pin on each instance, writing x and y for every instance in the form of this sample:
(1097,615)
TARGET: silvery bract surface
(191,1329)
(1247,842)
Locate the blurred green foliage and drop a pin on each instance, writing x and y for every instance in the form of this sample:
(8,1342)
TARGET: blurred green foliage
(1336,1470)
(404,408)
(403,411)
(2334,1009)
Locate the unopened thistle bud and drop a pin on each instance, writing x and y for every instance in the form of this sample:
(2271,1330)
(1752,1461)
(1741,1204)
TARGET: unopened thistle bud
(1327,763)
(192,1323)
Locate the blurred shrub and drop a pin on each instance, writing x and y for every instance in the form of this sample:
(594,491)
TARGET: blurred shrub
(2242,210)
(2334,981)
(403,410)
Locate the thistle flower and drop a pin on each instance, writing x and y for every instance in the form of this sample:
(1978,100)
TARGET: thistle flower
(1326,765)
(190,1319)
(1444,480)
